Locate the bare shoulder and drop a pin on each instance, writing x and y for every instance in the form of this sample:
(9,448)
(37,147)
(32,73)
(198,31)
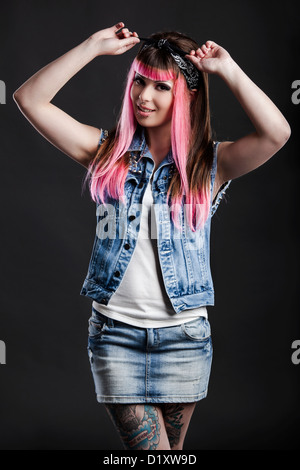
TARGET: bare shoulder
(223,151)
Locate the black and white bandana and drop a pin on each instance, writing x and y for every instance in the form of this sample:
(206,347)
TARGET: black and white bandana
(190,72)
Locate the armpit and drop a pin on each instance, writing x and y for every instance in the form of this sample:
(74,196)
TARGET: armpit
(221,194)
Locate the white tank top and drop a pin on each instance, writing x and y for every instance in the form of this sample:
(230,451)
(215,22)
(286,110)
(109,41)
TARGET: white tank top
(141,299)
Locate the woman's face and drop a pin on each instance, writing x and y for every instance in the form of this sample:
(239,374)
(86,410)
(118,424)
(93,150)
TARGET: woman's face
(152,101)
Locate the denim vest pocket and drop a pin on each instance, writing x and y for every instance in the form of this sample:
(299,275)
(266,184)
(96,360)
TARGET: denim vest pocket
(101,257)
(130,182)
(196,253)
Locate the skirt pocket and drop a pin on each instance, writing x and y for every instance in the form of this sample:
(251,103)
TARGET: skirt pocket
(96,325)
(197,330)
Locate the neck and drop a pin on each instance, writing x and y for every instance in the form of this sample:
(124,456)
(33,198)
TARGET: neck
(159,138)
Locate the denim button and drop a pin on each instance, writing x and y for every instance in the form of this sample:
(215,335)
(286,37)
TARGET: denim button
(131,218)
(126,246)
(117,273)
(140,185)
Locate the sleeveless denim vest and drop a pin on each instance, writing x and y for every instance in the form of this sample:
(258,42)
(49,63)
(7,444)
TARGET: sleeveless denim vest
(184,255)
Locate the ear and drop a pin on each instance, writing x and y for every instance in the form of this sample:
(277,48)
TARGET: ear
(193,93)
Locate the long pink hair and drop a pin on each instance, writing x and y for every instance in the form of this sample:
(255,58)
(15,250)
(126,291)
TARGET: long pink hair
(107,176)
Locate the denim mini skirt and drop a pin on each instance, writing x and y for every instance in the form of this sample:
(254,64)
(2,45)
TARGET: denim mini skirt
(149,365)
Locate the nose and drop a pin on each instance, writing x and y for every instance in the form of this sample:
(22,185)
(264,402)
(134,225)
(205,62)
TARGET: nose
(146,94)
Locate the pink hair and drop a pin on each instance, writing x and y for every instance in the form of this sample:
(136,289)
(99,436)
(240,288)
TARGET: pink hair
(110,177)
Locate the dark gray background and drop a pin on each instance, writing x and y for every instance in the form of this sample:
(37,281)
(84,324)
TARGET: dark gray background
(47,396)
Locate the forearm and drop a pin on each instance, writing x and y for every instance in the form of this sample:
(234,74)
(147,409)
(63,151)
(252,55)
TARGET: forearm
(45,84)
(265,116)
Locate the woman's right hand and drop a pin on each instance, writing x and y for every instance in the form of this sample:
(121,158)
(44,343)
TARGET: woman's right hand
(107,42)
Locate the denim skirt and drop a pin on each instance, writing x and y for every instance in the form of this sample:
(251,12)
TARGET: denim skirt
(149,365)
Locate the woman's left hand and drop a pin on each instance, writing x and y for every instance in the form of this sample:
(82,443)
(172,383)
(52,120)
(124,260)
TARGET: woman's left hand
(209,58)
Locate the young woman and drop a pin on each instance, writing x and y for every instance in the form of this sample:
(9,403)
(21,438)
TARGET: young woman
(157,178)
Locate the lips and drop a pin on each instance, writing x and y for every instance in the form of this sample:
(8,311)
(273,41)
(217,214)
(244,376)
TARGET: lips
(145,110)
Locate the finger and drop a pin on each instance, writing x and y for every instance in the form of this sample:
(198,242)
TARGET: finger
(130,34)
(131,41)
(192,58)
(118,27)
(200,53)
(211,44)
(204,49)
(196,61)
(122,31)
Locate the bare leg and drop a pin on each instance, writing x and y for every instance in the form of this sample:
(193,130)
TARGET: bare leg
(141,427)
(177,418)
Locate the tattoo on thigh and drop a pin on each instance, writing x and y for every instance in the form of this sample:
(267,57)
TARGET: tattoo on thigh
(173,422)
(139,430)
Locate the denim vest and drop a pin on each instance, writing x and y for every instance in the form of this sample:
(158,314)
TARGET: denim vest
(184,255)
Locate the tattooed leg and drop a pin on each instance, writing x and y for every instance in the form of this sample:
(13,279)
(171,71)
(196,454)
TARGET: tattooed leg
(141,427)
(177,418)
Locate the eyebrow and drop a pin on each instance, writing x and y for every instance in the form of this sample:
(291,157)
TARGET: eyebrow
(155,81)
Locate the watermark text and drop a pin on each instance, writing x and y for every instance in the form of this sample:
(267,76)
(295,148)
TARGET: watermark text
(296,93)
(2,92)
(2,352)
(113,222)
(296,354)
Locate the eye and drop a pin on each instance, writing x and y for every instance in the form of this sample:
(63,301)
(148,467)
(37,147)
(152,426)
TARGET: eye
(138,80)
(161,86)
(164,87)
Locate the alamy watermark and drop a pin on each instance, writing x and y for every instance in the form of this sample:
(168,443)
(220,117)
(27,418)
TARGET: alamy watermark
(2,352)
(296,93)
(114,221)
(2,92)
(296,354)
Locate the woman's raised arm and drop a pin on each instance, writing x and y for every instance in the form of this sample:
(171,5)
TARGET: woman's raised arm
(271,128)
(78,141)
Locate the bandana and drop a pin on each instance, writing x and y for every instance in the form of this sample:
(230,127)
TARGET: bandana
(190,72)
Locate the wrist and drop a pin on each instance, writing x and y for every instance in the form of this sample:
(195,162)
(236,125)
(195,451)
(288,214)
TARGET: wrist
(228,69)
(93,47)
